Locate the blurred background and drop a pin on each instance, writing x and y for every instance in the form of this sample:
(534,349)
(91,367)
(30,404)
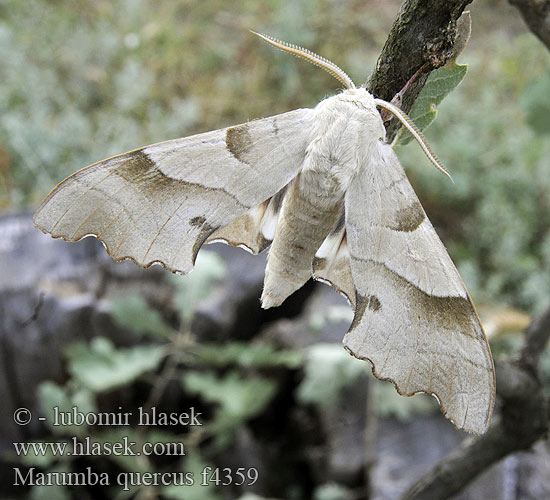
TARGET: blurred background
(81,81)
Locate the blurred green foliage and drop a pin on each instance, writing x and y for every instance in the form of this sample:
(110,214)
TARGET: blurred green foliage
(332,491)
(247,355)
(134,313)
(239,398)
(328,369)
(99,366)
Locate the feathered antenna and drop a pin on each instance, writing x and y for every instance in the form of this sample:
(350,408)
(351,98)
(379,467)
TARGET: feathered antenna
(312,57)
(415,132)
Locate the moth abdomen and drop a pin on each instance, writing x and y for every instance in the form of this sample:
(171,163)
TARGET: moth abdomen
(307,217)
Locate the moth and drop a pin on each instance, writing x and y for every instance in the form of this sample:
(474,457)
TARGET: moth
(329,196)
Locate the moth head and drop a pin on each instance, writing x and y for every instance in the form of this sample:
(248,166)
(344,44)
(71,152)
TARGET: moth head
(343,78)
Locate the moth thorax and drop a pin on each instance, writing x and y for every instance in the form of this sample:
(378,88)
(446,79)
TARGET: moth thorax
(324,189)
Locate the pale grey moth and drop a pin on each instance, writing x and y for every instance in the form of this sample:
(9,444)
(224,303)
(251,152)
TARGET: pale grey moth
(323,189)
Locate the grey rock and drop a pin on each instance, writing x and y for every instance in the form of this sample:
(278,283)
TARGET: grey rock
(406,450)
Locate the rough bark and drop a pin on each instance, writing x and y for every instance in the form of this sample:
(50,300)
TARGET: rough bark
(536,14)
(525,419)
(422,36)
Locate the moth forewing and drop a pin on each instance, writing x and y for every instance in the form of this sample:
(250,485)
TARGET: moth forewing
(160,203)
(414,320)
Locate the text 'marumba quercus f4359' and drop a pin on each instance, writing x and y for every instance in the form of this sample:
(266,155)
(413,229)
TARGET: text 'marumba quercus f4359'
(323,189)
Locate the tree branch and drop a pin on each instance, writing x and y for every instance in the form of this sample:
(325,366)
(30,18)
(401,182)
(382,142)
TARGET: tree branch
(536,14)
(525,419)
(423,32)
(537,335)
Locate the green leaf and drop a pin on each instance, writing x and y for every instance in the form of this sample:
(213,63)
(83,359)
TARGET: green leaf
(194,287)
(42,460)
(259,355)
(128,462)
(99,366)
(328,369)
(135,314)
(439,84)
(239,399)
(52,492)
(51,395)
(237,396)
